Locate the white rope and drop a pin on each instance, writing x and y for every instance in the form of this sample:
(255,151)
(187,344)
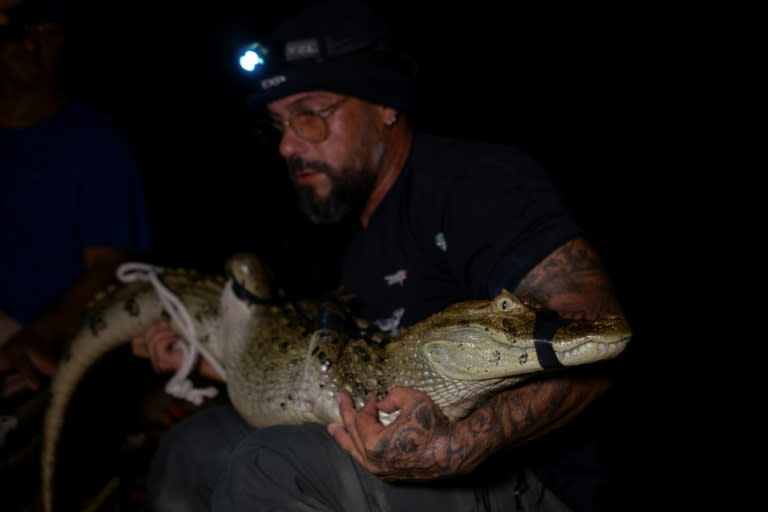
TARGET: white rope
(180,386)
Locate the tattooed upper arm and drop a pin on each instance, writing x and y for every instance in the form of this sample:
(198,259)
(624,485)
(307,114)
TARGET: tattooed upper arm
(573,282)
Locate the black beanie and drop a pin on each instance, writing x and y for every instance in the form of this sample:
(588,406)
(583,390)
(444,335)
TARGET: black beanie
(337,46)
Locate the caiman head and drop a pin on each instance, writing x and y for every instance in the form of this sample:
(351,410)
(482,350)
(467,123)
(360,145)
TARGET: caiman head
(251,278)
(503,337)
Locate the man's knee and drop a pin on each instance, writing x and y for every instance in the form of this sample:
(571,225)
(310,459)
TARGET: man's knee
(287,465)
(192,436)
(190,457)
(290,447)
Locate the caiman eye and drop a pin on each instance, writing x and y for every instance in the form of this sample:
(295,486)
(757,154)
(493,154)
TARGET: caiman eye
(504,304)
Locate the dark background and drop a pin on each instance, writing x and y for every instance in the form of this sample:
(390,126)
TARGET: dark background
(569,85)
(572,85)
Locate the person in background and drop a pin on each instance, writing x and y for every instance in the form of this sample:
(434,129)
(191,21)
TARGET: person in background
(72,205)
(438,220)
(5,5)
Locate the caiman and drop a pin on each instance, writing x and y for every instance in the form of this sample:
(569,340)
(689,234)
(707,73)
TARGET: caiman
(282,368)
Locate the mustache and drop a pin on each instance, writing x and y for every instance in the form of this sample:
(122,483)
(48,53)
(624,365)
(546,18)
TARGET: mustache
(298,164)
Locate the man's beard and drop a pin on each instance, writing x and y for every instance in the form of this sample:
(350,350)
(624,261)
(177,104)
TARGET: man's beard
(350,190)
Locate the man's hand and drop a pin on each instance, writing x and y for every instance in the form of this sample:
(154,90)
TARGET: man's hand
(29,355)
(158,344)
(416,446)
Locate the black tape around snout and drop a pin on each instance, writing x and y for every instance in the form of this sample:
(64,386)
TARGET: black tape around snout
(242,293)
(547,324)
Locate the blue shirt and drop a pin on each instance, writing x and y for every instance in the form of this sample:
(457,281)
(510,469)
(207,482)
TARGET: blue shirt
(65,184)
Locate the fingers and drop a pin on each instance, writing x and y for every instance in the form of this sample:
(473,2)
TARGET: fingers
(363,420)
(367,418)
(158,332)
(139,346)
(346,407)
(361,430)
(345,432)
(399,398)
(26,370)
(44,363)
(164,354)
(12,384)
(158,343)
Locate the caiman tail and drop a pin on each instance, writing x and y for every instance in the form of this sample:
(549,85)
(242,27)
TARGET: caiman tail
(115,317)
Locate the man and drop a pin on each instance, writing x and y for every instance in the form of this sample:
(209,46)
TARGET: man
(440,220)
(71,198)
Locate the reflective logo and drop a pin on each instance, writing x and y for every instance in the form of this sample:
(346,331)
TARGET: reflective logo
(302,49)
(440,242)
(398,277)
(390,325)
(272,81)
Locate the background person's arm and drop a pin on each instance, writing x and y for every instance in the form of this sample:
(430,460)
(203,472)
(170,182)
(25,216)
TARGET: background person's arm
(34,348)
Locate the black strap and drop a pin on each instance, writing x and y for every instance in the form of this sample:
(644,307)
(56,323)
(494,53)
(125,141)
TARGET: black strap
(242,293)
(547,324)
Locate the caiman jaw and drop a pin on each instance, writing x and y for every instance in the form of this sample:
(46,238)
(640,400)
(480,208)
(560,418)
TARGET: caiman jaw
(585,352)
(477,353)
(585,342)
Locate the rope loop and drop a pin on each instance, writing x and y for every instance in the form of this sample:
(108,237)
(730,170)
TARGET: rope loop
(179,386)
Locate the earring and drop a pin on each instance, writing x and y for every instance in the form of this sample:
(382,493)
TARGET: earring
(392,120)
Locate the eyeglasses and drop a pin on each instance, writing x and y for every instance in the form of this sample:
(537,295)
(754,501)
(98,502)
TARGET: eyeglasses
(309,125)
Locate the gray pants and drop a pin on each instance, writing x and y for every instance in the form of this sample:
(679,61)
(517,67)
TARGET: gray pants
(213,460)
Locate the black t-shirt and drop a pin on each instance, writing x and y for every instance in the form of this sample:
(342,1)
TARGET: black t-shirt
(464,220)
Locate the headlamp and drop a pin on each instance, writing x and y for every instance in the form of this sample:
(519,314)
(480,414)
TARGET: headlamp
(363,67)
(253,58)
(341,47)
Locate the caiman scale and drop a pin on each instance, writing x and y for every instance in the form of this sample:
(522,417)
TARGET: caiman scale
(281,368)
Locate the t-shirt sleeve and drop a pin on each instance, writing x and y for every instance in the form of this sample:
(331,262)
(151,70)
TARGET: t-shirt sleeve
(502,217)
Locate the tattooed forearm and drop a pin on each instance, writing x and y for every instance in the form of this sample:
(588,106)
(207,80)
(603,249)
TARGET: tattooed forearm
(517,416)
(573,282)
(422,444)
(419,445)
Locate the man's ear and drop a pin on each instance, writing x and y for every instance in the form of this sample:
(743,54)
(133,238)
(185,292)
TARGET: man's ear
(388,115)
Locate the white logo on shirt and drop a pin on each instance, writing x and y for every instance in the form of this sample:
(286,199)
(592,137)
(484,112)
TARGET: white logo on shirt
(398,277)
(390,325)
(440,241)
